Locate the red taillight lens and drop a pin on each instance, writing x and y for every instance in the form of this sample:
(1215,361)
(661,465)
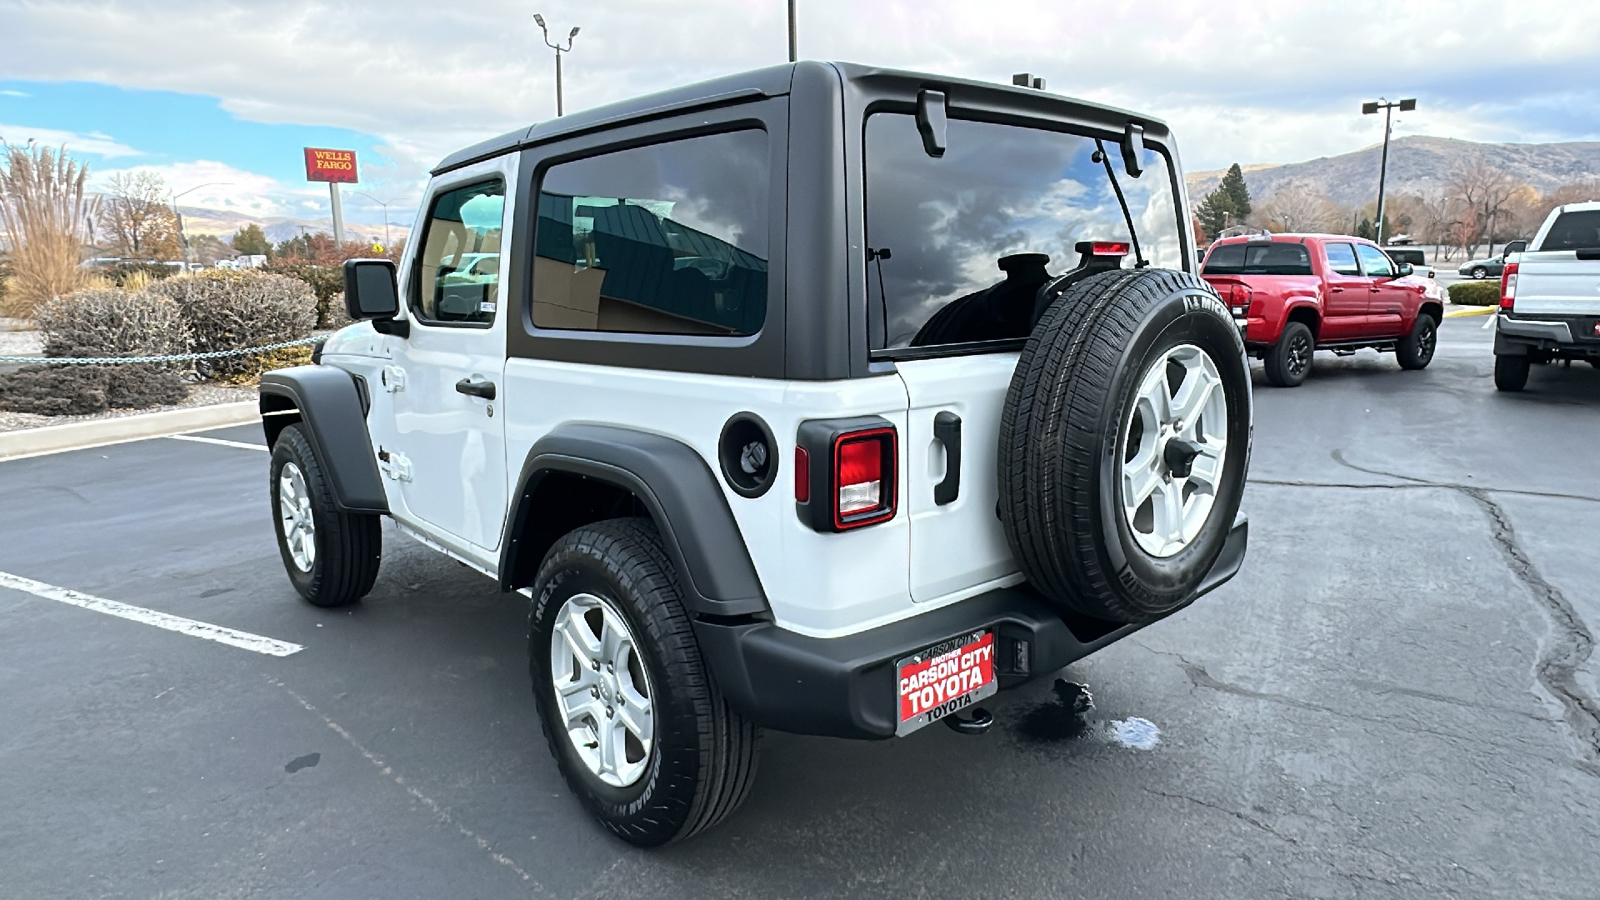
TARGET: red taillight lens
(1508,287)
(1109,248)
(863,478)
(802,475)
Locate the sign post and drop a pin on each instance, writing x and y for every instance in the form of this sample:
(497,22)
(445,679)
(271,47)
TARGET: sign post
(335,167)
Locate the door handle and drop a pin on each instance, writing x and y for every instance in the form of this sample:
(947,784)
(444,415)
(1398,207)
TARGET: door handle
(484,389)
(947,431)
(1374,289)
(1336,289)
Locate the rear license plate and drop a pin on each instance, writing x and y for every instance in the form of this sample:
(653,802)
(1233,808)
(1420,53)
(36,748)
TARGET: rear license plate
(947,677)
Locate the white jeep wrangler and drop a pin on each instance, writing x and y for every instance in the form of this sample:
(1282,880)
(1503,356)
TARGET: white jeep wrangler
(821,398)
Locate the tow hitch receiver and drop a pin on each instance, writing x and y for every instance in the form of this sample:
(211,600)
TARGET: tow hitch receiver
(979,722)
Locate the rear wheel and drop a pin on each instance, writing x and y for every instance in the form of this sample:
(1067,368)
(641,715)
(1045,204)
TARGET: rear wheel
(1480,272)
(1288,362)
(1511,372)
(639,730)
(331,556)
(1415,350)
(1124,442)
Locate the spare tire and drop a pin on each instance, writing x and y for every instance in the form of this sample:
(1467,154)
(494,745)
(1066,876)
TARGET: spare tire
(1124,443)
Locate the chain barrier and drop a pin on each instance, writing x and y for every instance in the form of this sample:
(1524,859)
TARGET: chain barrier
(171,357)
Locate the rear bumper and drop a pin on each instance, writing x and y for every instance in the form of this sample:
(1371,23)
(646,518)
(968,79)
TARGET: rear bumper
(1570,335)
(845,687)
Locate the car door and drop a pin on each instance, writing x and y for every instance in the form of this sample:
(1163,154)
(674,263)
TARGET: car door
(1386,300)
(447,444)
(1344,306)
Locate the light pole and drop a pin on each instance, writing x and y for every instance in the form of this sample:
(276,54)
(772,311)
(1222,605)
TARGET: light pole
(794,42)
(1368,109)
(385,205)
(183,242)
(559,50)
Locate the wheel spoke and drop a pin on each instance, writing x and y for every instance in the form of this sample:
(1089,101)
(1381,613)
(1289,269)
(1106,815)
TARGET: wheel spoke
(1168,521)
(579,639)
(1153,390)
(613,641)
(1193,396)
(633,711)
(584,683)
(1138,483)
(612,743)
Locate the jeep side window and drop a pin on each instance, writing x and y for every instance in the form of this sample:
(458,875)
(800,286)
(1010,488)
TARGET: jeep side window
(457,275)
(1342,259)
(963,242)
(669,238)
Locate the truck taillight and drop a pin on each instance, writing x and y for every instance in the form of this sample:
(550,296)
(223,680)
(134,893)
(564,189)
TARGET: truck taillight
(846,472)
(1508,287)
(1237,296)
(863,478)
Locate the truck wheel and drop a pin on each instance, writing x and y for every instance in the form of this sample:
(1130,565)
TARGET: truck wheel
(1124,442)
(1511,372)
(1415,350)
(639,730)
(1288,362)
(331,556)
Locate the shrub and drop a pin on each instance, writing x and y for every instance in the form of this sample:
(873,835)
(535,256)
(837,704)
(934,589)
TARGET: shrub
(1475,293)
(327,282)
(102,323)
(137,275)
(228,310)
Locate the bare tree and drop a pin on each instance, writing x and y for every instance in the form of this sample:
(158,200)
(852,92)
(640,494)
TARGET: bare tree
(1584,191)
(138,217)
(1435,214)
(1485,189)
(1297,208)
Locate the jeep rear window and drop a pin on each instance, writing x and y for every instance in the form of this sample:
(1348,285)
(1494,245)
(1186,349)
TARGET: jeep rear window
(669,238)
(1574,231)
(1264,258)
(939,229)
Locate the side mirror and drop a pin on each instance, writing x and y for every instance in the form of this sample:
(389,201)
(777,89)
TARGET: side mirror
(933,122)
(1402,270)
(371,292)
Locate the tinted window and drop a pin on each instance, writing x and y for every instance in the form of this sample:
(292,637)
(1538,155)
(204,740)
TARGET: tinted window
(462,231)
(1574,230)
(962,243)
(1262,258)
(1409,257)
(1342,258)
(1373,262)
(665,239)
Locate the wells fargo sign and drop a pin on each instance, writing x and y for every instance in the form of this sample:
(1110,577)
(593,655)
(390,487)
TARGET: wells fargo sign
(331,165)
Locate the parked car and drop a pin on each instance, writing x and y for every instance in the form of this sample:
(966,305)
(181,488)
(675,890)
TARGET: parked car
(1304,292)
(1550,297)
(1494,266)
(707,476)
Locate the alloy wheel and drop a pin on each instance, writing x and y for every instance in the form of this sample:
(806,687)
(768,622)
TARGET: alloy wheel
(295,520)
(602,689)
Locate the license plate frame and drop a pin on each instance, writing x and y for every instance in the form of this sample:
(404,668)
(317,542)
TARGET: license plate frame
(963,673)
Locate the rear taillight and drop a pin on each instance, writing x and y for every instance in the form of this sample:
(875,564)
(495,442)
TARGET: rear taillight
(1109,248)
(1238,299)
(1508,287)
(853,481)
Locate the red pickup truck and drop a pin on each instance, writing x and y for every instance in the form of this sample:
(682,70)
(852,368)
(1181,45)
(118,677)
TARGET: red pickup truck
(1304,292)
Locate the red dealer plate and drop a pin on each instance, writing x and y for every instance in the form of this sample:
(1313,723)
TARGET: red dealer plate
(945,678)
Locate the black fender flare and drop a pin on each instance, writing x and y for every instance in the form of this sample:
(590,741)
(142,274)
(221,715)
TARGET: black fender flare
(678,488)
(334,418)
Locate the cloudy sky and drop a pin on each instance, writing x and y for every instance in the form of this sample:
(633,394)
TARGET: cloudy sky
(230,91)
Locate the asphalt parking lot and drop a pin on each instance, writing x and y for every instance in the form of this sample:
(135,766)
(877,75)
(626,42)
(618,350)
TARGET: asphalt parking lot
(1395,698)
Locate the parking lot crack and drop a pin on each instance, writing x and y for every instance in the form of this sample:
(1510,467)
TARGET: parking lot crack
(1243,817)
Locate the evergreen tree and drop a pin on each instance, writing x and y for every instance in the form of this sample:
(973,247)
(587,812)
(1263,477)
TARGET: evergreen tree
(1238,194)
(1364,230)
(251,241)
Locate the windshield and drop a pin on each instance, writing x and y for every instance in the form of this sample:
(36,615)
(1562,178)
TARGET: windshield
(1574,231)
(1266,258)
(960,244)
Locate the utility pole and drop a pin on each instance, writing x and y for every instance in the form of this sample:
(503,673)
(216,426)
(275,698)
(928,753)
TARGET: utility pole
(794,39)
(1368,109)
(559,50)
(385,205)
(183,242)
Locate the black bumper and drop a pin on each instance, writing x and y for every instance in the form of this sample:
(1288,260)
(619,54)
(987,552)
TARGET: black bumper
(845,687)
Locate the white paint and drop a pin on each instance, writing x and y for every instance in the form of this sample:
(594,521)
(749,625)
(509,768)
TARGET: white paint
(218,441)
(1140,734)
(433,806)
(204,630)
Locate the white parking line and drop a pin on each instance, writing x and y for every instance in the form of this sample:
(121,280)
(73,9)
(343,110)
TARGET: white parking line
(241,639)
(218,441)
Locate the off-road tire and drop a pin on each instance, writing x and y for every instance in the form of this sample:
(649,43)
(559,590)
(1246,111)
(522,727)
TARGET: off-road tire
(1061,440)
(703,759)
(1511,372)
(349,546)
(1415,350)
(1288,362)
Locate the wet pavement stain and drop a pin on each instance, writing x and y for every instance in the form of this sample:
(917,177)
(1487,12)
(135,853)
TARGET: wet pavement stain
(1065,719)
(303,762)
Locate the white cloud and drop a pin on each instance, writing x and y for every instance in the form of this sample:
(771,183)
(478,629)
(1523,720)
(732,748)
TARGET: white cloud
(94,143)
(13,94)
(214,185)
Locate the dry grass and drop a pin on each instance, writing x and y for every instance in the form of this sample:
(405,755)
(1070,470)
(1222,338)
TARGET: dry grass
(42,209)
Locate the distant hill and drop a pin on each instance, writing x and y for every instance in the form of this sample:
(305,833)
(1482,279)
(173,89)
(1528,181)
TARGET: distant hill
(1416,165)
(225,224)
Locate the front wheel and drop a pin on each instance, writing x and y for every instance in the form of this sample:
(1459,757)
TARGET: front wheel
(1480,272)
(639,730)
(1415,350)
(331,556)
(1511,372)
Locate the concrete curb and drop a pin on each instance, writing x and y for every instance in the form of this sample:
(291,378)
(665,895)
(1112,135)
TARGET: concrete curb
(98,433)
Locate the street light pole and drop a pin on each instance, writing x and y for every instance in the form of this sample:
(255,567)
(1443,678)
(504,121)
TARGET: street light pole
(794,41)
(1368,109)
(385,205)
(559,50)
(183,242)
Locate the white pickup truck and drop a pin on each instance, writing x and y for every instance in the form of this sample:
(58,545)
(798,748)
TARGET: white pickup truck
(1550,297)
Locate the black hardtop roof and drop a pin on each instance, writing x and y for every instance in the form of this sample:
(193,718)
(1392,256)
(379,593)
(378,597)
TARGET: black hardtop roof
(772,81)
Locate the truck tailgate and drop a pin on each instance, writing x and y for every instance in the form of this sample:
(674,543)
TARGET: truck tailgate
(1557,283)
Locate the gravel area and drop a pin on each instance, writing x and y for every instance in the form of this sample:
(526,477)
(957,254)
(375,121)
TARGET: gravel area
(21,343)
(199,395)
